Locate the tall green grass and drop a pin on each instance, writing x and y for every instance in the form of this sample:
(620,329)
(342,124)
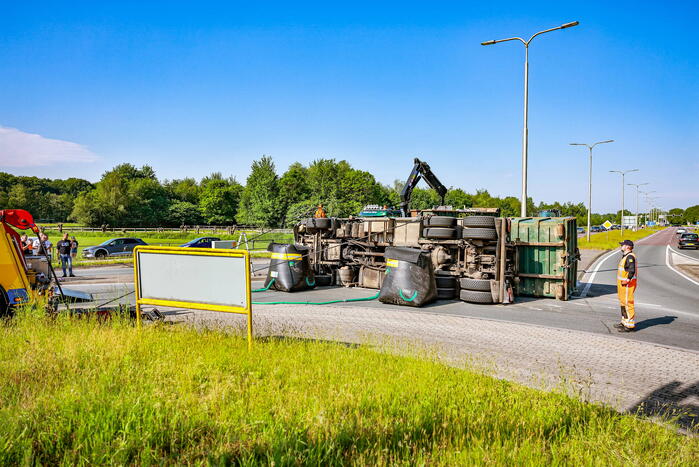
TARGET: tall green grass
(76,391)
(610,239)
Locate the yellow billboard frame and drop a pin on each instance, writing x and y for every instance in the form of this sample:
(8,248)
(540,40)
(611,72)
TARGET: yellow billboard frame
(168,250)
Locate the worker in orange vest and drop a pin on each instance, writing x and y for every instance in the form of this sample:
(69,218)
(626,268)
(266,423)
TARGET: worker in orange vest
(626,281)
(320,212)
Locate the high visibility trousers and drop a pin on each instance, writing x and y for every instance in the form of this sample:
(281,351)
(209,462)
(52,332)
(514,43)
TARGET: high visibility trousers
(626,300)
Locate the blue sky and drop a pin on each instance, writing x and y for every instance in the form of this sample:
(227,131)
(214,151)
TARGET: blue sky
(192,89)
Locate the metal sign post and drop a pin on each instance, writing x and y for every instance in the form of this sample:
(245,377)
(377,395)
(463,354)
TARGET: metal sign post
(193,278)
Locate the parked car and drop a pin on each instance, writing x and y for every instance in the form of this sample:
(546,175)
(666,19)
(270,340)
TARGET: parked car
(596,228)
(113,247)
(681,231)
(581,230)
(688,240)
(201,242)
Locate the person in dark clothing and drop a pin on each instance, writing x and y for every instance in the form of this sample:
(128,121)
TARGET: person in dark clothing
(64,249)
(73,247)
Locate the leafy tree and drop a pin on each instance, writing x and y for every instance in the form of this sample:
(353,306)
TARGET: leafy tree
(293,188)
(259,202)
(458,198)
(219,201)
(184,213)
(298,211)
(147,203)
(691,214)
(183,190)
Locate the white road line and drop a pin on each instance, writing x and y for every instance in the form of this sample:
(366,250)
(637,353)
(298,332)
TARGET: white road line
(594,273)
(667,263)
(682,254)
(649,304)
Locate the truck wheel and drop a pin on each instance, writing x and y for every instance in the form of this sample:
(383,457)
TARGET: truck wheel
(482,285)
(477,233)
(446,282)
(4,304)
(321,223)
(439,232)
(100,254)
(479,221)
(441,221)
(446,293)
(476,297)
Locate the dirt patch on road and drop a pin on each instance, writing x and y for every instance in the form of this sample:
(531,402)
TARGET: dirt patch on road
(692,270)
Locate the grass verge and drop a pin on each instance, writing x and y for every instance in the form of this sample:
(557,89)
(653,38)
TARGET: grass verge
(610,239)
(80,392)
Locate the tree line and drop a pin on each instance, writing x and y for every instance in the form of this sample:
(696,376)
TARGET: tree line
(127,196)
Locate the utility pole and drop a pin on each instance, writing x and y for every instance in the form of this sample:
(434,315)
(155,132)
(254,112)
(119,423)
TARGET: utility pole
(623,174)
(637,191)
(589,188)
(525,131)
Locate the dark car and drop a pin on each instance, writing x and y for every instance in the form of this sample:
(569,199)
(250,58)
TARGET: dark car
(201,242)
(113,247)
(688,240)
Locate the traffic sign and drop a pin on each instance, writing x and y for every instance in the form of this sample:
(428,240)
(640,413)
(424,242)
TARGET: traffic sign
(607,225)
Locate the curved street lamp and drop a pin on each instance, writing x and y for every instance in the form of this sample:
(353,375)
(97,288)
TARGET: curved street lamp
(623,174)
(589,189)
(525,133)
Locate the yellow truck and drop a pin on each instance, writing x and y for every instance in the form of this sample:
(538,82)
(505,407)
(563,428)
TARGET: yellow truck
(20,282)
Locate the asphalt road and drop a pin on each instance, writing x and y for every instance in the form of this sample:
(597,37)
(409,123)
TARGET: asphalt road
(667,304)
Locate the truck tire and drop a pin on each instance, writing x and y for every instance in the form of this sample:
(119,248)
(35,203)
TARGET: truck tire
(446,282)
(478,233)
(4,304)
(446,293)
(323,280)
(479,221)
(482,285)
(321,223)
(439,232)
(441,221)
(476,297)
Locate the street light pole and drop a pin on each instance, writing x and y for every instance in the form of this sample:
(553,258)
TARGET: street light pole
(589,188)
(623,174)
(648,202)
(525,131)
(637,191)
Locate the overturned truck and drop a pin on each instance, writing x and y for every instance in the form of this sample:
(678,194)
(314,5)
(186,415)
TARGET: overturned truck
(473,254)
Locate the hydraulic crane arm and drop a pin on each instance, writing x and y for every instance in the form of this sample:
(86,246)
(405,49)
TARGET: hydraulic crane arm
(420,170)
(18,218)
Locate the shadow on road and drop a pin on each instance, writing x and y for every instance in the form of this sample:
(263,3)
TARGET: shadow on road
(597,290)
(647,323)
(670,402)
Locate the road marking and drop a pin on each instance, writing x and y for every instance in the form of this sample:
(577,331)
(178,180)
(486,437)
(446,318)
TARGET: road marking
(667,263)
(649,304)
(682,254)
(594,273)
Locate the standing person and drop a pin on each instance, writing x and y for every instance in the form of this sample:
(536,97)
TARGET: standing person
(26,245)
(42,245)
(320,212)
(64,248)
(73,247)
(626,281)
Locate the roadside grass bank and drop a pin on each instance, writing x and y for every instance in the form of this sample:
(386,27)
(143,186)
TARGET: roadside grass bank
(610,239)
(81,392)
